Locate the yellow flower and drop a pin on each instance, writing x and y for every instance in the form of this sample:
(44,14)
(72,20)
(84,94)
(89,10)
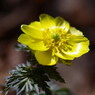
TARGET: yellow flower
(53,39)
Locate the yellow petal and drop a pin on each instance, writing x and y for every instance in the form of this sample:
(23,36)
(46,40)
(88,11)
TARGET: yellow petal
(77,39)
(61,23)
(45,58)
(36,25)
(47,21)
(78,49)
(35,33)
(38,45)
(75,32)
(32,43)
(25,39)
(64,56)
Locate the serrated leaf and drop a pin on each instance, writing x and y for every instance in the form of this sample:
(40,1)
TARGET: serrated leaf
(26,79)
(36,88)
(53,73)
(22,47)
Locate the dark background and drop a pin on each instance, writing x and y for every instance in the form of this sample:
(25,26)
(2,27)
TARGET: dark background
(80,77)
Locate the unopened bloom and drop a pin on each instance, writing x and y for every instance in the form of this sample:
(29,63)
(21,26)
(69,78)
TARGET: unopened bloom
(53,39)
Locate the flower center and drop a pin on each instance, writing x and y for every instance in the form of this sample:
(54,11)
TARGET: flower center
(55,36)
(56,39)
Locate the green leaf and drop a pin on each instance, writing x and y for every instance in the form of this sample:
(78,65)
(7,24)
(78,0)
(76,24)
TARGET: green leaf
(20,80)
(52,72)
(25,79)
(22,47)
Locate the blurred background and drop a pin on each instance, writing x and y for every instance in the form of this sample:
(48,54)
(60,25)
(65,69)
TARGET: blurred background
(80,77)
